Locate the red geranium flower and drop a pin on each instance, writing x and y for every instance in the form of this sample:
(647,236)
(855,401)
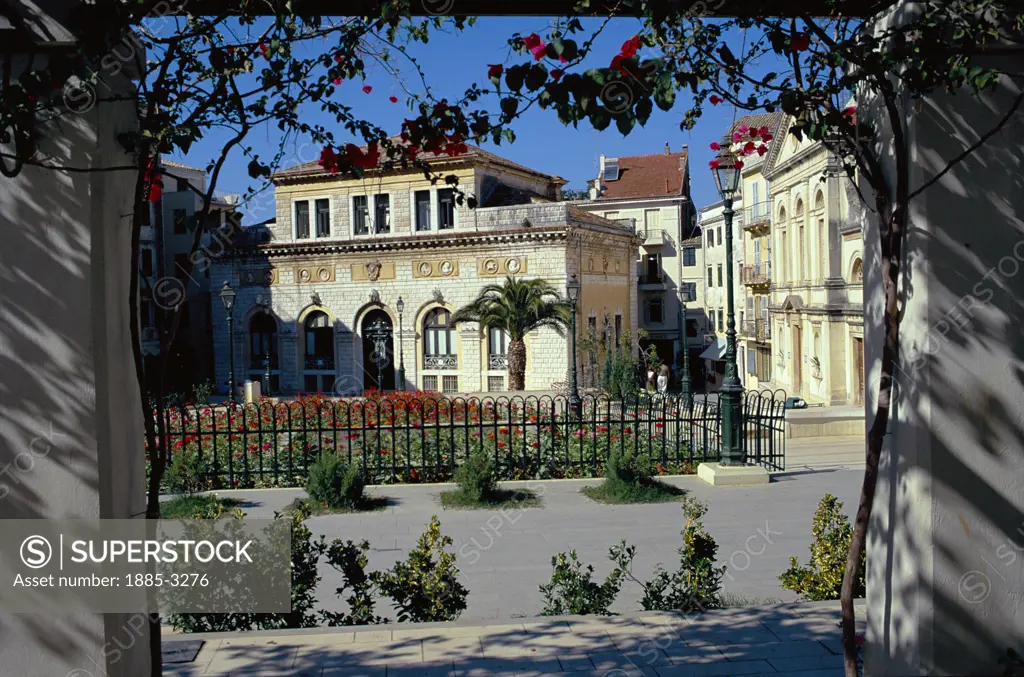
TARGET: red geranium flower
(367,89)
(715,146)
(631,47)
(762,149)
(738,164)
(713,164)
(337,81)
(495,70)
(799,42)
(535,45)
(715,99)
(393,99)
(556,75)
(337,58)
(617,62)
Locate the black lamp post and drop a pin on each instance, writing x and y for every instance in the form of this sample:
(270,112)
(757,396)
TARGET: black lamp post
(687,390)
(379,333)
(267,374)
(727,180)
(572,290)
(227,297)
(400,305)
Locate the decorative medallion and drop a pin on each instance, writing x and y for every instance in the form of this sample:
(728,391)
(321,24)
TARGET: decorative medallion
(324,274)
(512,265)
(249,277)
(447,268)
(374,296)
(373,271)
(426,269)
(491,266)
(269,276)
(304,275)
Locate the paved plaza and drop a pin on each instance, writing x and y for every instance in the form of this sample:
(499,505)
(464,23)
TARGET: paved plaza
(796,640)
(504,555)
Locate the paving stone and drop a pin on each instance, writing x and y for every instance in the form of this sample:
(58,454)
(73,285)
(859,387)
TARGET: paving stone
(486,667)
(645,663)
(818,662)
(772,650)
(718,669)
(575,663)
(356,671)
(452,648)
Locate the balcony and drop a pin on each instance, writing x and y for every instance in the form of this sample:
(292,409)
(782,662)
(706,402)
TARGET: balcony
(315,363)
(756,274)
(440,362)
(497,362)
(762,330)
(260,362)
(656,236)
(757,216)
(652,282)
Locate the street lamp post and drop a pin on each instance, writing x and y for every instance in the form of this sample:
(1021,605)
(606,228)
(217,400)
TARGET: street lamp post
(400,304)
(572,289)
(227,297)
(379,334)
(727,179)
(267,373)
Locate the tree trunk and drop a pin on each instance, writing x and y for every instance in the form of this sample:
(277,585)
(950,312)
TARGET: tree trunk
(516,365)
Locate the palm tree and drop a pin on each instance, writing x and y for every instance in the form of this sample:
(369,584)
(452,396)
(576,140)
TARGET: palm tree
(518,307)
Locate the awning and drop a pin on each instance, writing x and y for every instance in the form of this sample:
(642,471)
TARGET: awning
(715,351)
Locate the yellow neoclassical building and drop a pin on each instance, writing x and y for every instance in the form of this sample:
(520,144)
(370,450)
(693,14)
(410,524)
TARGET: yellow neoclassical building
(816,301)
(319,286)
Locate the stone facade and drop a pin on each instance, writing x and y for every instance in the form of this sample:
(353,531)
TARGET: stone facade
(357,279)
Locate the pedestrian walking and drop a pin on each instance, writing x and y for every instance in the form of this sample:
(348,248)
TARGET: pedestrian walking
(663,374)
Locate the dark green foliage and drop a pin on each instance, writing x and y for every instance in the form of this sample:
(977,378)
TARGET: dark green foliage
(628,480)
(627,467)
(476,478)
(187,472)
(822,578)
(350,559)
(335,484)
(573,590)
(197,506)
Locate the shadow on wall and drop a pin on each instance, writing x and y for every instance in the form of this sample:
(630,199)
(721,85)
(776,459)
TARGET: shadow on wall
(950,499)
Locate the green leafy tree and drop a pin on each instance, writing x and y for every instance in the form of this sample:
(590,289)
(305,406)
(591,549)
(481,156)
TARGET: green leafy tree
(517,307)
(350,560)
(822,577)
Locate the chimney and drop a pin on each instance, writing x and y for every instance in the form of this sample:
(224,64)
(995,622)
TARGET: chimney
(667,150)
(685,148)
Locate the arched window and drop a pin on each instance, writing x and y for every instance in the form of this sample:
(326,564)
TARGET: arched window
(439,340)
(784,259)
(801,265)
(262,339)
(857,272)
(319,341)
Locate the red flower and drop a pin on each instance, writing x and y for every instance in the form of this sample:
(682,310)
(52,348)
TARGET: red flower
(738,164)
(713,164)
(556,75)
(754,132)
(749,147)
(393,99)
(495,70)
(562,59)
(535,445)
(743,129)
(737,137)
(715,146)
(799,42)
(631,47)
(535,45)
(337,58)
(329,159)
(766,136)
(264,50)
(617,62)
(337,81)
(367,89)
(762,149)
(715,99)
(849,111)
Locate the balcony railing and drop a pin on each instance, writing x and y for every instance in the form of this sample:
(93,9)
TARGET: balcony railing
(260,362)
(656,236)
(497,362)
(756,273)
(440,362)
(762,330)
(314,362)
(649,279)
(757,214)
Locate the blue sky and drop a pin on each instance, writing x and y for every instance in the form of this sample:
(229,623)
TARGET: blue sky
(454,61)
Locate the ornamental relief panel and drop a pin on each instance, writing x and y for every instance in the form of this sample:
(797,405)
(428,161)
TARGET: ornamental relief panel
(501,265)
(372,271)
(260,277)
(314,274)
(442,268)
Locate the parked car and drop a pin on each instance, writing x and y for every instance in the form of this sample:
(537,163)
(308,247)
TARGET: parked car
(795,403)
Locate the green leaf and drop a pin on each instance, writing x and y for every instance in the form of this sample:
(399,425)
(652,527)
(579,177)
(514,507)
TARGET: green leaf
(509,106)
(600,118)
(643,111)
(727,56)
(665,98)
(536,78)
(625,122)
(514,77)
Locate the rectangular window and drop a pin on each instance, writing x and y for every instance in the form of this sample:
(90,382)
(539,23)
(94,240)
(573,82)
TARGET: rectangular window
(618,329)
(495,384)
(720,240)
(711,277)
(422,202)
(302,220)
(180,217)
(689,256)
(497,341)
(652,220)
(719,274)
(445,209)
(692,327)
(721,321)
(323,218)
(711,321)
(611,215)
(752,359)
(652,268)
(146,262)
(655,313)
(360,215)
(382,213)
(430,383)
(450,384)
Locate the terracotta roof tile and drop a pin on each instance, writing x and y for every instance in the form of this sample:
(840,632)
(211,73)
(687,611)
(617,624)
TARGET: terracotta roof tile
(652,175)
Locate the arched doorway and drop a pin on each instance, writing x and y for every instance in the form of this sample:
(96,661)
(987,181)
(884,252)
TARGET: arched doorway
(263,344)
(318,359)
(377,332)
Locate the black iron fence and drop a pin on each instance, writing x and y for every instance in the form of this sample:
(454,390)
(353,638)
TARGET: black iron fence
(423,437)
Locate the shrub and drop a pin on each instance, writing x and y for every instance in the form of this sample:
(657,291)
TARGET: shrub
(202,391)
(350,560)
(822,578)
(334,483)
(187,473)
(627,467)
(697,584)
(572,589)
(425,587)
(476,478)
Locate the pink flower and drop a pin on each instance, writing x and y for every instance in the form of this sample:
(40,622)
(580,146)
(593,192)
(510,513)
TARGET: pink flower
(737,137)
(535,45)
(744,129)
(367,89)
(337,81)
(716,146)
(713,164)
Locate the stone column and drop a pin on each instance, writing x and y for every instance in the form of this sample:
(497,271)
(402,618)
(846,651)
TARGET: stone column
(347,381)
(945,561)
(470,365)
(71,433)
